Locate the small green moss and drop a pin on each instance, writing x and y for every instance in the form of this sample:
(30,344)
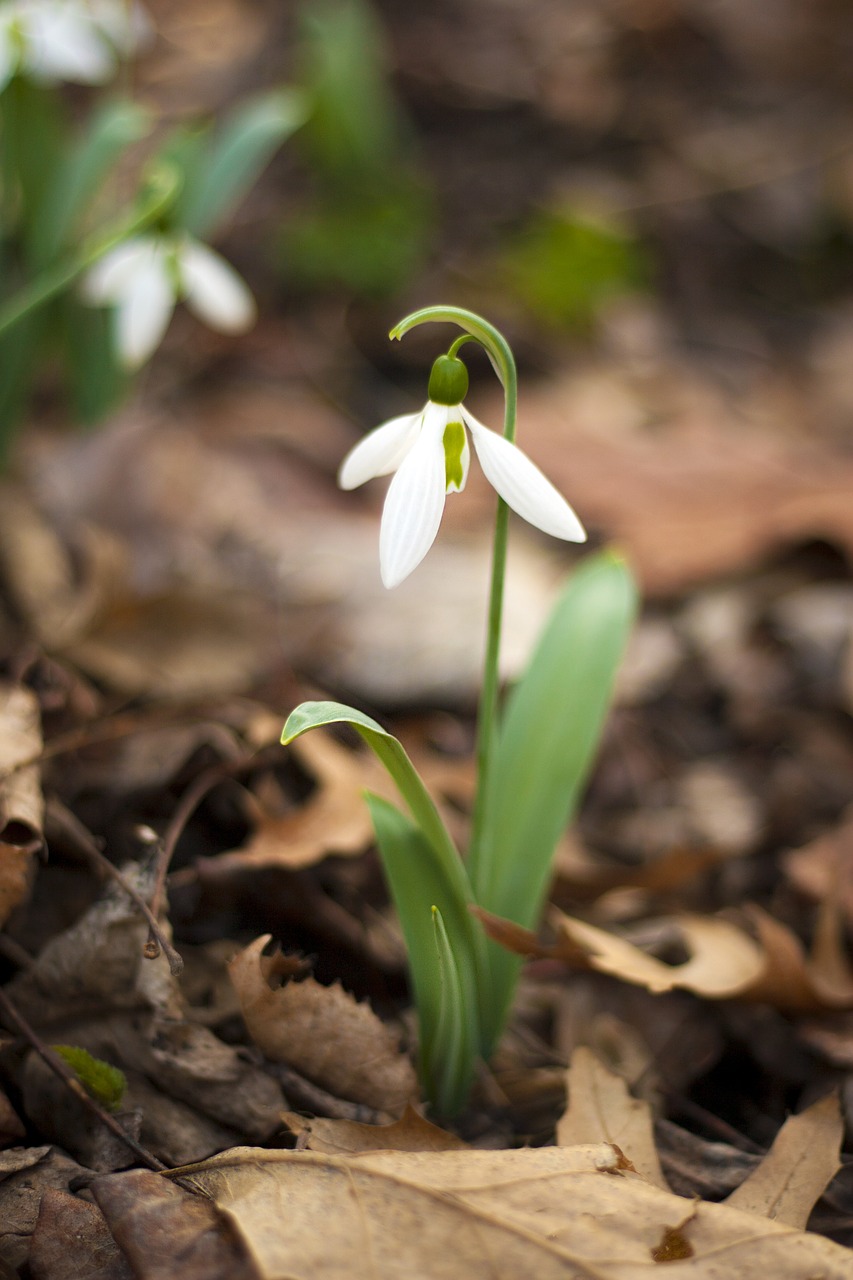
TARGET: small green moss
(102,1082)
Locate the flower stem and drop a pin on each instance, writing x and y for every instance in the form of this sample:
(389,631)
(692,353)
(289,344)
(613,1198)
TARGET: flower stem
(498,350)
(487,716)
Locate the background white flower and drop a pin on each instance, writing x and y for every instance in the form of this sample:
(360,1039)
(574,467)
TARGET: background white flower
(144,278)
(76,40)
(429,453)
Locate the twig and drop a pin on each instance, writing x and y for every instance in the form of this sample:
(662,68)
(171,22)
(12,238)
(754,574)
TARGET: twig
(71,826)
(61,1069)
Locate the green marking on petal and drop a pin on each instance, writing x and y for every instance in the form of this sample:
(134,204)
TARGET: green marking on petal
(454,446)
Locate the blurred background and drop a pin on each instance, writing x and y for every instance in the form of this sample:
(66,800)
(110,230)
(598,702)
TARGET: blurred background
(652,198)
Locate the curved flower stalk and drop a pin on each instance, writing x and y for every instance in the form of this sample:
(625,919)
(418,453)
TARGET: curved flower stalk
(75,40)
(430,455)
(144,277)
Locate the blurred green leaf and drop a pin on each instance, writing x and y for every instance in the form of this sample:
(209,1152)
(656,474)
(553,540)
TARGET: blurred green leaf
(80,173)
(221,168)
(96,379)
(353,128)
(564,267)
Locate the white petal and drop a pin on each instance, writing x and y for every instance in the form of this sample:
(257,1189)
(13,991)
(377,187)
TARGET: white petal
(213,289)
(413,507)
(381,451)
(62,43)
(144,312)
(112,275)
(522,485)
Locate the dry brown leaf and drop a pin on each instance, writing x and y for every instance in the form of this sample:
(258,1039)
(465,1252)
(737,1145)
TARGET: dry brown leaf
(324,1033)
(601,1109)
(71,1238)
(797,1169)
(348,1137)
(700,499)
(552,1212)
(21,800)
(723,961)
(167,1234)
(335,819)
(825,865)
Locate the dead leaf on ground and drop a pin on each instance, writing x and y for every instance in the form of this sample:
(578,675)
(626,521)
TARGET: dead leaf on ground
(21,800)
(824,866)
(347,1137)
(323,1032)
(724,962)
(549,1212)
(167,1234)
(601,1109)
(335,819)
(71,1238)
(797,1169)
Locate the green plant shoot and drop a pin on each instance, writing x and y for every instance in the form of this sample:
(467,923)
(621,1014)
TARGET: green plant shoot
(533,753)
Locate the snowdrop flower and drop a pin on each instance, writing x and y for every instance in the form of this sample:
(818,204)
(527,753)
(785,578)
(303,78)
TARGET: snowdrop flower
(430,454)
(77,40)
(144,278)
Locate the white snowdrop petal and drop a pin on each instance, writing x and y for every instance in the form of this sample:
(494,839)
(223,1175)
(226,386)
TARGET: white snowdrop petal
(144,312)
(112,275)
(62,43)
(214,290)
(413,508)
(522,485)
(380,452)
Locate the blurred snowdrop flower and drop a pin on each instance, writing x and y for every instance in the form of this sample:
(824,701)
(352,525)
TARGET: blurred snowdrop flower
(144,278)
(430,455)
(76,40)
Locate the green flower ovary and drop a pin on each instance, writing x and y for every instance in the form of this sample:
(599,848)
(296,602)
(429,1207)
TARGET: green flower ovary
(448,381)
(454,445)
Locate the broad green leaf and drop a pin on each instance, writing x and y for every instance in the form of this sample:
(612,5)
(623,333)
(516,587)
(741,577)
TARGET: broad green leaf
(79,175)
(446,1001)
(546,745)
(236,157)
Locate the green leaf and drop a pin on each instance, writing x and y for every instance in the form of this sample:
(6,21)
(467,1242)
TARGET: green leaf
(236,157)
(79,175)
(96,380)
(446,998)
(546,745)
(316,715)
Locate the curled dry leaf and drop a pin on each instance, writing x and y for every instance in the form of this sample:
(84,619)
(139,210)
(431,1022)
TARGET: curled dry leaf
(21,800)
(601,1109)
(549,1212)
(797,1169)
(348,1137)
(724,962)
(323,1032)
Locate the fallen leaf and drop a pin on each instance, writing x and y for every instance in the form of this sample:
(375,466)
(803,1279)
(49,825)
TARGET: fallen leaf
(550,1212)
(723,961)
(71,1239)
(348,1137)
(324,1033)
(21,800)
(797,1169)
(601,1109)
(167,1234)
